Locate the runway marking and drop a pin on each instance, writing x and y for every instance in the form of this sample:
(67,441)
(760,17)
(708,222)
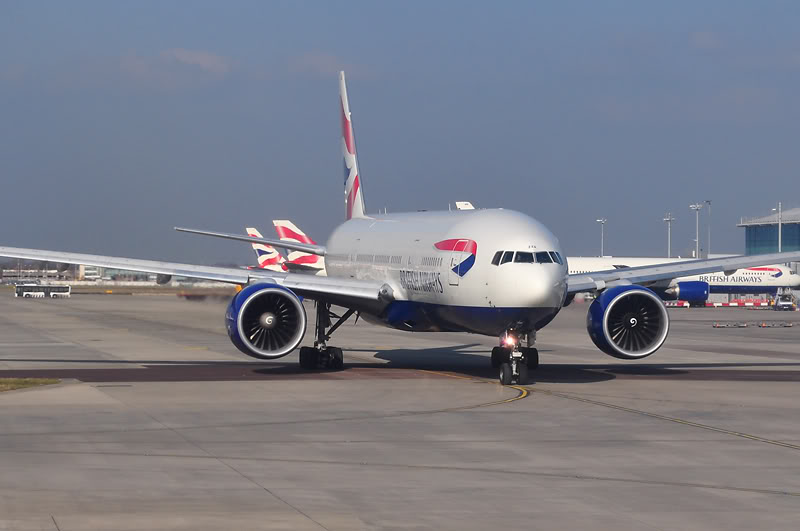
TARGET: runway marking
(670,419)
(522,391)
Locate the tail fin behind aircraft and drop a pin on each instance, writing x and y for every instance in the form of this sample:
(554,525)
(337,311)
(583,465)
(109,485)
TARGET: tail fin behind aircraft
(353,193)
(288,231)
(268,257)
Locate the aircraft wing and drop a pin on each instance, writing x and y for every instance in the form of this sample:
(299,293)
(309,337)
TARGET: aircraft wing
(294,246)
(651,274)
(317,288)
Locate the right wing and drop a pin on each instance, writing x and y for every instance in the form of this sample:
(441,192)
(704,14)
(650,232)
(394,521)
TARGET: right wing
(318,288)
(651,274)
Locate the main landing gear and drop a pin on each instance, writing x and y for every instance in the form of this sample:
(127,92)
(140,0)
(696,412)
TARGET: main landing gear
(321,356)
(514,361)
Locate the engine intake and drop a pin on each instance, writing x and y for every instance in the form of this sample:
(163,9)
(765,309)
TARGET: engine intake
(628,322)
(266,321)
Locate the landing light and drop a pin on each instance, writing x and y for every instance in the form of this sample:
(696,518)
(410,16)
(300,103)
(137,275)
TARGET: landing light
(510,341)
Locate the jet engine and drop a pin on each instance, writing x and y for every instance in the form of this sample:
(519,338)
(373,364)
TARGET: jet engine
(692,291)
(266,321)
(163,279)
(628,322)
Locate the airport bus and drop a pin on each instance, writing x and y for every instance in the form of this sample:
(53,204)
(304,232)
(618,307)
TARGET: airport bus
(36,291)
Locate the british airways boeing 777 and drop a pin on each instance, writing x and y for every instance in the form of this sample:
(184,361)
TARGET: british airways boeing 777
(495,272)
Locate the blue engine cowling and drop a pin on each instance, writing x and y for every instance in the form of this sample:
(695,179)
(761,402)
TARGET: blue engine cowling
(628,322)
(691,291)
(266,321)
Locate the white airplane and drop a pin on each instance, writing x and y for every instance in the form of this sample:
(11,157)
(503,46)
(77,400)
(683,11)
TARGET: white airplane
(694,289)
(494,272)
(769,279)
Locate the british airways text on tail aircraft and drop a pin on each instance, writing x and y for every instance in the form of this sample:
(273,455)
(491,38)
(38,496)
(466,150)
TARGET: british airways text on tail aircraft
(494,272)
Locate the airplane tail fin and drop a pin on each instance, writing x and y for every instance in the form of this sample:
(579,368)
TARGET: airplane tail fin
(288,231)
(353,193)
(268,257)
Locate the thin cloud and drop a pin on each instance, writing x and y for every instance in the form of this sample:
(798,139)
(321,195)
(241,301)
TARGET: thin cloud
(322,64)
(208,61)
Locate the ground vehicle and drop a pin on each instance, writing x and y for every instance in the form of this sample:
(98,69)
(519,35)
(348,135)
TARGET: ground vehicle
(36,291)
(785,302)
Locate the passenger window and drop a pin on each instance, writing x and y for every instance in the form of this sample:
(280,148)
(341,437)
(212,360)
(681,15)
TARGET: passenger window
(543,257)
(524,258)
(496,258)
(507,256)
(555,257)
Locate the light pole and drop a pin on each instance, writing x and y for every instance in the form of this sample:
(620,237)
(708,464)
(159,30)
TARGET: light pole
(696,207)
(602,222)
(669,219)
(708,242)
(780,224)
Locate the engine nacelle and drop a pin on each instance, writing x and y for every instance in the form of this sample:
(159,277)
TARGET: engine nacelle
(691,291)
(628,322)
(62,268)
(163,279)
(266,321)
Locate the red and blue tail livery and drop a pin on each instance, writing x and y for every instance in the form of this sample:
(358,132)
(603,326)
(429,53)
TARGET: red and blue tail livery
(353,194)
(468,250)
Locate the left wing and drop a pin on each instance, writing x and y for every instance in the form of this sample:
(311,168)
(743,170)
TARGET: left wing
(317,288)
(648,275)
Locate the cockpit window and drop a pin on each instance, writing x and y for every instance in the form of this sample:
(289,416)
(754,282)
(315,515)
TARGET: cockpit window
(496,258)
(523,257)
(543,257)
(555,257)
(507,256)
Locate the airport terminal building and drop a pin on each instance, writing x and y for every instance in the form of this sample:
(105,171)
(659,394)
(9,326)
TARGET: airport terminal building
(761,234)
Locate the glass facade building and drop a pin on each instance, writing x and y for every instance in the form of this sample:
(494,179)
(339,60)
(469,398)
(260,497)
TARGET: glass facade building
(761,234)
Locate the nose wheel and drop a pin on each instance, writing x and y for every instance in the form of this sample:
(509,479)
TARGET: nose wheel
(513,361)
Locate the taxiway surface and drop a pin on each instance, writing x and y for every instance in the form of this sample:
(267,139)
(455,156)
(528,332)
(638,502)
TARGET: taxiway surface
(159,423)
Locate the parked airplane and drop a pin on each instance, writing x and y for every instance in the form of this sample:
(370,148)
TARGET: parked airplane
(494,272)
(268,257)
(695,289)
(299,260)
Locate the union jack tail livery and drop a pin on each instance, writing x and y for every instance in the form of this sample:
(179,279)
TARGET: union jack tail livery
(353,193)
(268,257)
(288,231)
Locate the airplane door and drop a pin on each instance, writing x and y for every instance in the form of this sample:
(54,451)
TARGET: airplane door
(456,257)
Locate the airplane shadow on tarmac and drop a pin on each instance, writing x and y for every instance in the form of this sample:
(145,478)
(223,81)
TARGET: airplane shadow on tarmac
(456,360)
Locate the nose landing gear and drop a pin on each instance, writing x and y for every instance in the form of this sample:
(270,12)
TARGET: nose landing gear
(514,361)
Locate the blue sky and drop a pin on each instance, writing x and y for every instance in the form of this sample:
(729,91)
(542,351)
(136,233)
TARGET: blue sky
(123,120)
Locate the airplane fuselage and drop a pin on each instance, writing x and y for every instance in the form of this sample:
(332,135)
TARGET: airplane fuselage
(439,266)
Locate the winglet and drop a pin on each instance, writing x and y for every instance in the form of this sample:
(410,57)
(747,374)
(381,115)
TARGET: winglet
(353,192)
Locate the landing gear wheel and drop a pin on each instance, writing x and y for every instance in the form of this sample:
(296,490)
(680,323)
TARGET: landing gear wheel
(336,358)
(531,357)
(506,374)
(309,358)
(499,355)
(522,379)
